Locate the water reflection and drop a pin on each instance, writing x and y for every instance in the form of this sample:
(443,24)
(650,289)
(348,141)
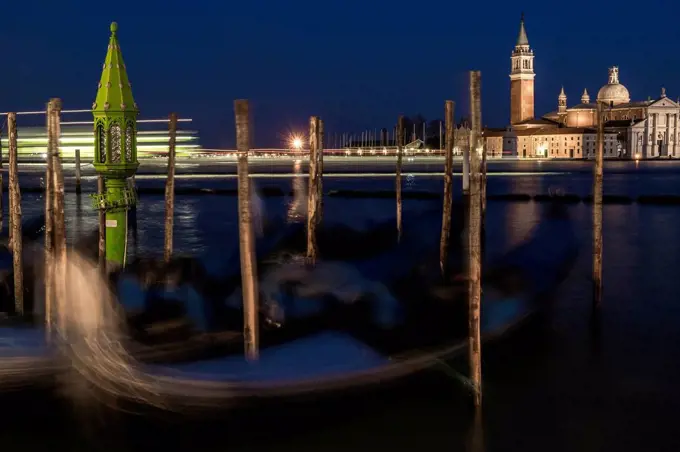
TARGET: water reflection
(570,394)
(475,436)
(78,220)
(297,209)
(518,231)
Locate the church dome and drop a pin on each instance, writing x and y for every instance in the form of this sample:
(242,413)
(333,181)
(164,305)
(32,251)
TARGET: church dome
(613,92)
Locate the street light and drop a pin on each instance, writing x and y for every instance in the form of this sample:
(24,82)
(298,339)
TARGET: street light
(297,143)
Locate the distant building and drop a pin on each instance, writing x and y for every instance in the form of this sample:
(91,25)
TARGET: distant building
(499,142)
(633,129)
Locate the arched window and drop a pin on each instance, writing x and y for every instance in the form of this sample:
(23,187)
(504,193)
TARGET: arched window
(114,140)
(101,143)
(129,140)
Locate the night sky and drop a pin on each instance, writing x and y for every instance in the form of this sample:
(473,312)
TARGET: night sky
(357,64)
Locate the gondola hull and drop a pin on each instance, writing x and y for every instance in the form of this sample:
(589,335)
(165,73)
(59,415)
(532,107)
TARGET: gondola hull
(347,357)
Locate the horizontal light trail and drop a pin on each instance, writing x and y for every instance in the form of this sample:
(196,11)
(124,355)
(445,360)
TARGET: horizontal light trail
(44,112)
(87,123)
(331,175)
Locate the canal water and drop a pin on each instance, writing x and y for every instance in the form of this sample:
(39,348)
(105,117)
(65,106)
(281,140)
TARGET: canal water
(563,386)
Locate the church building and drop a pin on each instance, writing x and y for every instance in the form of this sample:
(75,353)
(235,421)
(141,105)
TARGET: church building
(633,129)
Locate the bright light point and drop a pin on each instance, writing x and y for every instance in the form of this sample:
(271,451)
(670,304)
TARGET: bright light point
(297,143)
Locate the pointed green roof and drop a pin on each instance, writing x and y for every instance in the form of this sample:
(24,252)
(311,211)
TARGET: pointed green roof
(114,93)
(522,39)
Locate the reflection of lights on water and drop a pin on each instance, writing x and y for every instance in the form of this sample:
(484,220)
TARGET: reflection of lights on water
(297,208)
(410,180)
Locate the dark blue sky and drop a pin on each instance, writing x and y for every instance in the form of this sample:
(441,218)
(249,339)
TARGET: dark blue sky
(357,64)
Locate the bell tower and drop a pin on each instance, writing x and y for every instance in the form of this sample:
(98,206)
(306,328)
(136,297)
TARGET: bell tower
(562,107)
(522,78)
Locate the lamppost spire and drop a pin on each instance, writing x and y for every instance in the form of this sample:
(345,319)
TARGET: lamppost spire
(115,130)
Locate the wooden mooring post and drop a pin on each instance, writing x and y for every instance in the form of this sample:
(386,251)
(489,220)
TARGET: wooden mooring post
(78,171)
(482,191)
(597,210)
(58,221)
(475,235)
(101,213)
(400,140)
(170,189)
(319,175)
(313,190)
(15,215)
(2,207)
(466,167)
(246,235)
(448,188)
(49,224)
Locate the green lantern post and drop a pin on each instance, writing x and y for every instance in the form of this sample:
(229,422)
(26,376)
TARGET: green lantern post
(115,148)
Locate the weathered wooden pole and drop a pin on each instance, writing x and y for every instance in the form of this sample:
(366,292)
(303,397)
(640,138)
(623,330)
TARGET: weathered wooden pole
(101,212)
(475,235)
(483,179)
(246,235)
(319,176)
(59,224)
(9,204)
(170,188)
(2,207)
(77,171)
(475,435)
(49,186)
(15,215)
(400,140)
(448,189)
(597,210)
(49,222)
(313,191)
(466,168)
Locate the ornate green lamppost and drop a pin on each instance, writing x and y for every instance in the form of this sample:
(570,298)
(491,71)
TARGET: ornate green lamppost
(115,148)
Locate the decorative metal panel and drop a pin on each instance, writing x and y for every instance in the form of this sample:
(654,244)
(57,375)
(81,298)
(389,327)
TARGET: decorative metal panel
(101,141)
(115,142)
(129,135)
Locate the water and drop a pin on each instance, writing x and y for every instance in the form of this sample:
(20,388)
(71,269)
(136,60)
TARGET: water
(558,387)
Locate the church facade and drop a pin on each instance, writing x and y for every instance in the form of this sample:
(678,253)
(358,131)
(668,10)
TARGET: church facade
(633,129)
